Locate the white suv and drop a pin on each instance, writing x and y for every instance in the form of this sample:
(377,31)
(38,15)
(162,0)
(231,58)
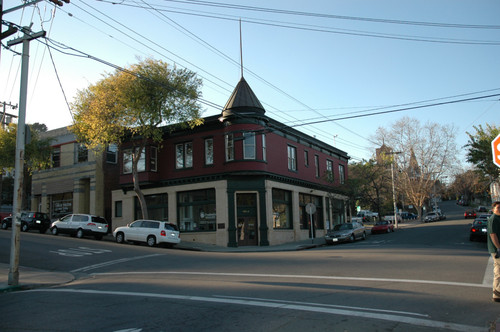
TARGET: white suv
(152,232)
(80,225)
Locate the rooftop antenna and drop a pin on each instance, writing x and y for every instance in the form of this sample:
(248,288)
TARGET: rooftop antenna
(241,52)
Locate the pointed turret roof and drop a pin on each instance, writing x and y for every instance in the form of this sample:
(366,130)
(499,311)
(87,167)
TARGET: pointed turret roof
(243,101)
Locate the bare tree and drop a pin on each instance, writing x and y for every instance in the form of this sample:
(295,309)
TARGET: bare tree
(421,155)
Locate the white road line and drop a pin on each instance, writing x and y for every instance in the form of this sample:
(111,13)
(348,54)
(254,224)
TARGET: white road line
(488,274)
(286,306)
(328,305)
(117,261)
(293,276)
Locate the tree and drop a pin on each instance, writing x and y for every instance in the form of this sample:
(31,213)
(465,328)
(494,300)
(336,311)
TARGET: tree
(37,152)
(370,184)
(421,155)
(135,103)
(479,150)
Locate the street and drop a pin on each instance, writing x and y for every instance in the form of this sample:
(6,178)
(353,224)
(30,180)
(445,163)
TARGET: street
(427,277)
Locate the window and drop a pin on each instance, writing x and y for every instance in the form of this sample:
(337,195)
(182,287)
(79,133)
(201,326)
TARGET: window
(292,158)
(316,164)
(157,207)
(153,159)
(317,217)
(329,171)
(229,147)
(196,210)
(306,158)
(112,154)
(184,155)
(342,174)
(127,161)
(264,152)
(209,151)
(56,156)
(118,209)
(249,146)
(282,209)
(82,154)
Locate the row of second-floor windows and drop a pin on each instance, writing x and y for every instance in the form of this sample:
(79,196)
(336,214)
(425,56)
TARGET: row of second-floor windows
(80,154)
(329,172)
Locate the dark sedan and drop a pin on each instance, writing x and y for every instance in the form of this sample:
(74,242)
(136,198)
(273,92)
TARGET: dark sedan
(478,230)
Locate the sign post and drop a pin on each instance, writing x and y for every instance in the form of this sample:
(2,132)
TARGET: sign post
(495,149)
(310,210)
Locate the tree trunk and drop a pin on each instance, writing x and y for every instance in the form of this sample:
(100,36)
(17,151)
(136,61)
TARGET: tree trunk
(136,155)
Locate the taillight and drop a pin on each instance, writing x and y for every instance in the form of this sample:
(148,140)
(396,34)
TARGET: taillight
(163,233)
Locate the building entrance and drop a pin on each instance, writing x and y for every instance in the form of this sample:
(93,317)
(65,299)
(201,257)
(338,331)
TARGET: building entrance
(247,227)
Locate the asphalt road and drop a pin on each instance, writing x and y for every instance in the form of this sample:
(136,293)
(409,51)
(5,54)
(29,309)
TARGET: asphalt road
(424,278)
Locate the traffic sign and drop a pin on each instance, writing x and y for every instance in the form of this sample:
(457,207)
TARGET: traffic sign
(495,147)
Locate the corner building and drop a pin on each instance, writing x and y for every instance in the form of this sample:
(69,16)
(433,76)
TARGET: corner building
(240,179)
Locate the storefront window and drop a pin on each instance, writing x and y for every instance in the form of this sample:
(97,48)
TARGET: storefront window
(317,217)
(282,207)
(196,210)
(157,207)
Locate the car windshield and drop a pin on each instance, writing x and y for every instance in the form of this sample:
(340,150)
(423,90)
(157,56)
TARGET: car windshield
(342,227)
(380,223)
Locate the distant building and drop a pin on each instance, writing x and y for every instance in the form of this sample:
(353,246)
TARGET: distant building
(241,178)
(79,180)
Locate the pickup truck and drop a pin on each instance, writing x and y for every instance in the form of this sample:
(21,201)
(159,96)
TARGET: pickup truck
(366,214)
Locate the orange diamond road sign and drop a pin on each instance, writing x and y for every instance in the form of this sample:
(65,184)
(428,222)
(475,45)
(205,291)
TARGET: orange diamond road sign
(495,147)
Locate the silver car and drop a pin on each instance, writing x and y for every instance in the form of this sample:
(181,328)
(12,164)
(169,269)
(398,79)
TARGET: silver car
(348,232)
(152,232)
(80,225)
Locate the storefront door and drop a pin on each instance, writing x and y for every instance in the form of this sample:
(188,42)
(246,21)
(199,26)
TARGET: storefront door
(247,226)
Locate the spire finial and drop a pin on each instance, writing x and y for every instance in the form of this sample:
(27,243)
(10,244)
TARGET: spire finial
(241,51)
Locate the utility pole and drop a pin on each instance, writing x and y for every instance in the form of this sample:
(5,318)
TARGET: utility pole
(5,115)
(19,165)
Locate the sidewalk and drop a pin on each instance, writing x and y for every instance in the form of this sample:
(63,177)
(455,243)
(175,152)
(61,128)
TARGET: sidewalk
(32,278)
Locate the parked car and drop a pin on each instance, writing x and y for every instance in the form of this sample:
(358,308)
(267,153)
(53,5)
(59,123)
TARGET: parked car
(432,216)
(479,228)
(347,232)
(7,222)
(482,209)
(80,225)
(408,215)
(35,220)
(30,220)
(151,232)
(470,214)
(382,226)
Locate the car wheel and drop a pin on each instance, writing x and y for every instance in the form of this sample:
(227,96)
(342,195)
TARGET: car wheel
(151,241)
(24,227)
(352,238)
(120,238)
(54,231)
(4,225)
(364,236)
(79,233)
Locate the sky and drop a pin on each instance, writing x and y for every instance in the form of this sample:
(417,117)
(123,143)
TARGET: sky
(336,70)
